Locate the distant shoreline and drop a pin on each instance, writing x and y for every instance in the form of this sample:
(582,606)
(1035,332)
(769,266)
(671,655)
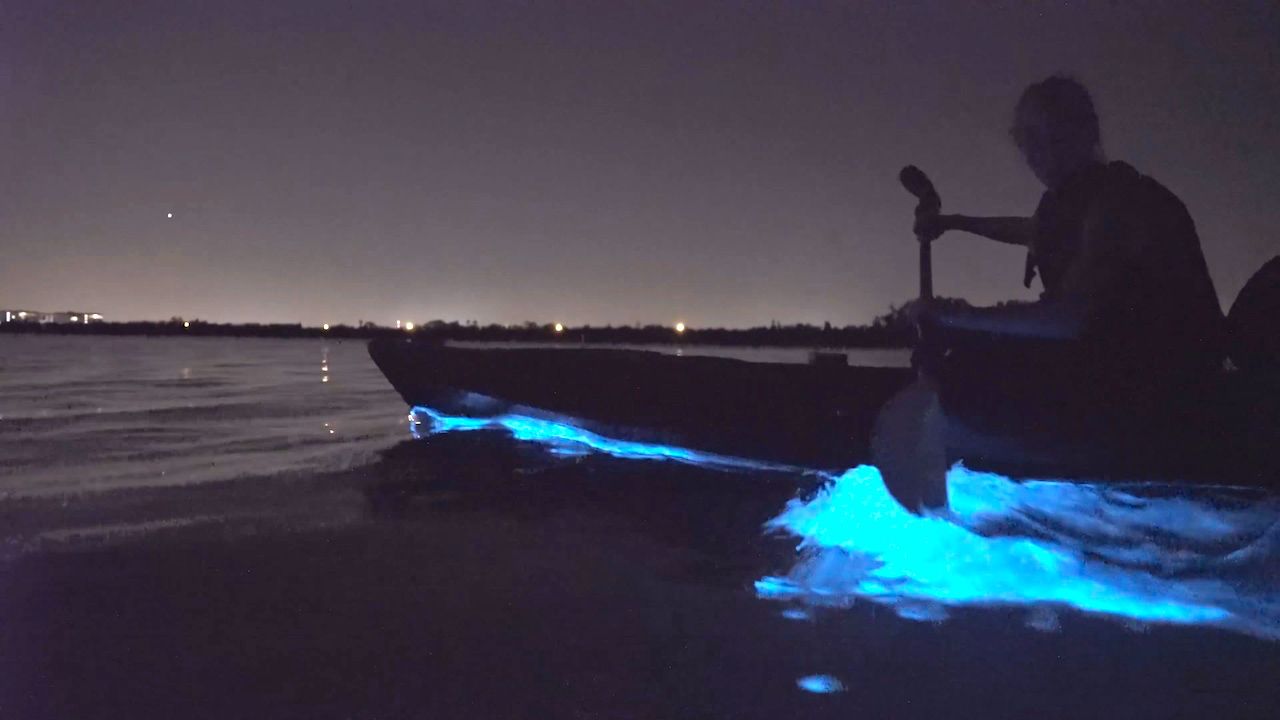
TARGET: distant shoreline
(868,336)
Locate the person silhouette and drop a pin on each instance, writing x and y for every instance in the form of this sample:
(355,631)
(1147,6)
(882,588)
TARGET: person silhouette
(1128,314)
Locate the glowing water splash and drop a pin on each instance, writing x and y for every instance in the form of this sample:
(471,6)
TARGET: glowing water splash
(1150,557)
(564,438)
(821,684)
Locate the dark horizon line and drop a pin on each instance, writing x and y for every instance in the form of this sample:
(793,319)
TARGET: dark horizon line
(885,331)
(888,317)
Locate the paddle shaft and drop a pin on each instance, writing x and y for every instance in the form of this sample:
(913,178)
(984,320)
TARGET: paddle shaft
(907,436)
(926,269)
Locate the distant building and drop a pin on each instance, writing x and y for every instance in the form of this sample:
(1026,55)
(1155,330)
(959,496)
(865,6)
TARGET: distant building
(70,317)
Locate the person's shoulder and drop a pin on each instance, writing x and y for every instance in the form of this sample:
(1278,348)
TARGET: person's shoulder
(1121,171)
(1123,182)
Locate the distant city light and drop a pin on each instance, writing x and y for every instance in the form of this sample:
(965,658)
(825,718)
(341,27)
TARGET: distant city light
(408,326)
(679,327)
(75,318)
(325,326)
(559,327)
(169,215)
(397,324)
(186,324)
(22,314)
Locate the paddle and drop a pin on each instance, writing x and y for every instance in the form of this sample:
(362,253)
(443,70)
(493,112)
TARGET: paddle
(908,437)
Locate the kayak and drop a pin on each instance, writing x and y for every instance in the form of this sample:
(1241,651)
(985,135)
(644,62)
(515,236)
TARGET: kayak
(815,416)
(812,416)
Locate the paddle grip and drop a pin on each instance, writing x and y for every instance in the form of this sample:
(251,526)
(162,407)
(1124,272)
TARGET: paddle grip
(919,185)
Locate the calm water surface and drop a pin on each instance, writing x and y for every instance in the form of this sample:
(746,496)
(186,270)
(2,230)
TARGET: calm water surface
(92,413)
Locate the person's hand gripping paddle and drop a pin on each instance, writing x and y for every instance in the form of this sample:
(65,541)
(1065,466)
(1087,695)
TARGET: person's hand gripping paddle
(908,438)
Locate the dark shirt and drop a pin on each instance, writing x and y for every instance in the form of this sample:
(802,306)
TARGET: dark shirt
(1123,250)
(1059,220)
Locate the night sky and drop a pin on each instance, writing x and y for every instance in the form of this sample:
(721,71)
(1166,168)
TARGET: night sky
(586,162)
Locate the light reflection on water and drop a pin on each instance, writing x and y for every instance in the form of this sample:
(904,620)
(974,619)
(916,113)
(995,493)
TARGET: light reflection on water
(1147,553)
(87,413)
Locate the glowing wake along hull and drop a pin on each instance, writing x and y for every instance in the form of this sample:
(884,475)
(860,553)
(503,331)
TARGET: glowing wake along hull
(811,416)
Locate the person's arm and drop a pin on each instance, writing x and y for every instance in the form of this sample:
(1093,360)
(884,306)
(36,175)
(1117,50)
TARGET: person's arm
(1010,230)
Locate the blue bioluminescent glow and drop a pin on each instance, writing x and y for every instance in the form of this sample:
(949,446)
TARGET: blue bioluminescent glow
(821,684)
(1138,553)
(566,439)
(797,614)
(1151,558)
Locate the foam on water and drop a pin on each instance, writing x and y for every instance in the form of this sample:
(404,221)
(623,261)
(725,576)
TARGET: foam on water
(1138,553)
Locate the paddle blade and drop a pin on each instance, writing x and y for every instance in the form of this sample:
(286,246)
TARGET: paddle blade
(908,445)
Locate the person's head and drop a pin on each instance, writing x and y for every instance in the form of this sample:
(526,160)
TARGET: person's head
(1056,128)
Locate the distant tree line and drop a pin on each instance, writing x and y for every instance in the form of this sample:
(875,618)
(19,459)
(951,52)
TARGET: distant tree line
(891,329)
